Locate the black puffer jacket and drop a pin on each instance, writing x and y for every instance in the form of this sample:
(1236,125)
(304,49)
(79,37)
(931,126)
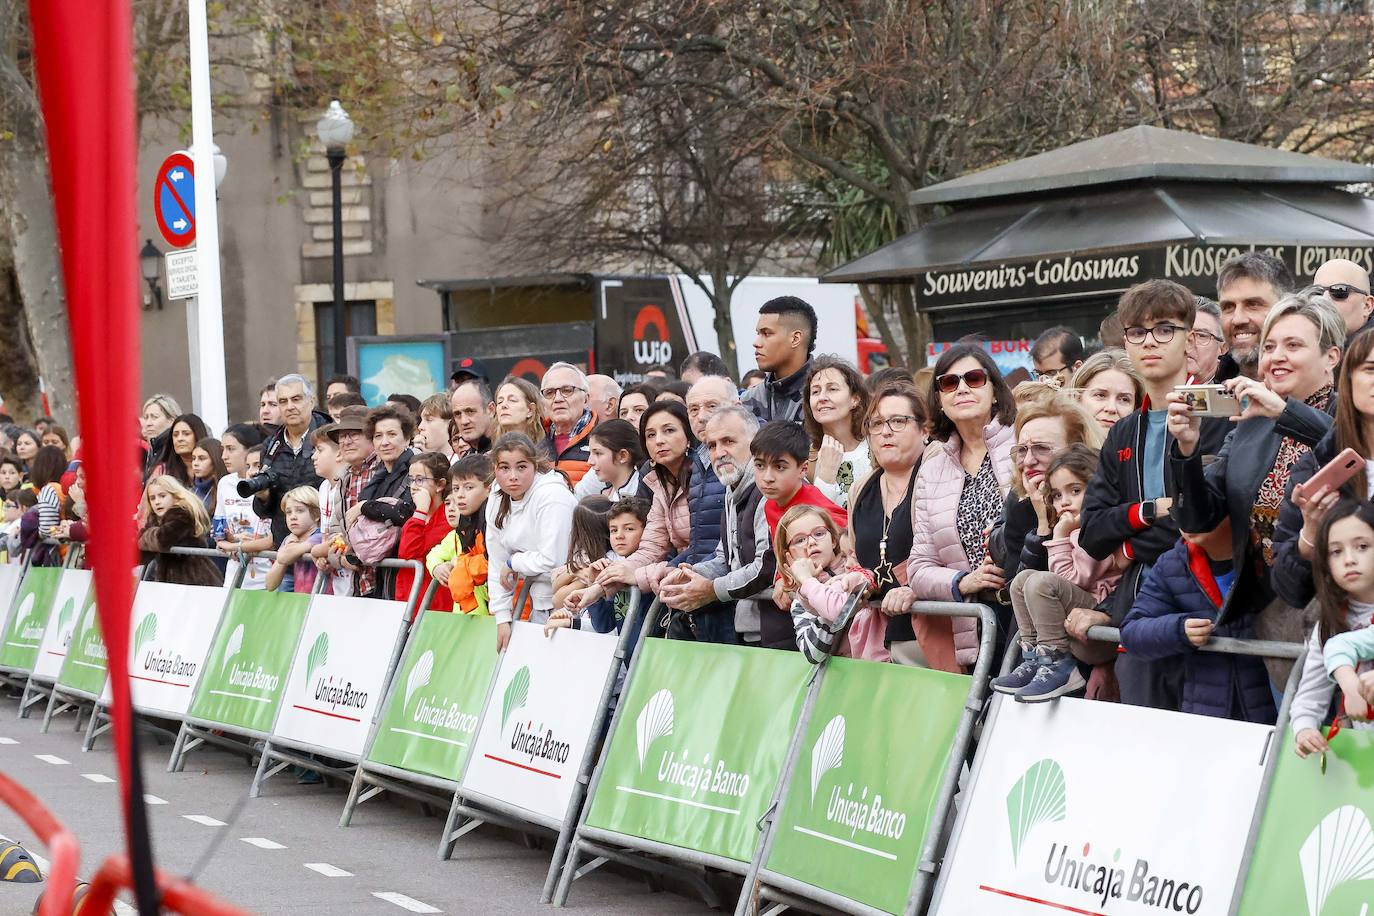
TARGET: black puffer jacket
(294,469)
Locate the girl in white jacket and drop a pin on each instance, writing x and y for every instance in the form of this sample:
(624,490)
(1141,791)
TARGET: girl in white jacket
(529,518)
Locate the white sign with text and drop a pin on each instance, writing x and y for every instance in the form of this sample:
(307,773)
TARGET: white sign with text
(173,626)
(67,605)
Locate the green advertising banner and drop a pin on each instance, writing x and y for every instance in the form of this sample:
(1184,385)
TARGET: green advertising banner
(245,672)
(1316,847)
(860,801)
(436,697)
(84,668)
(700,744)
(28,622)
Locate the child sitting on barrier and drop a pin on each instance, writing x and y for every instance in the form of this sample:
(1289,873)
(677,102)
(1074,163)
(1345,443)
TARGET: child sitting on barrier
(1044,598)
(294,570)
(1187,598)
(427,526)
(1342,642)
(459,561)
(815,578)
(175,517)
(623,523)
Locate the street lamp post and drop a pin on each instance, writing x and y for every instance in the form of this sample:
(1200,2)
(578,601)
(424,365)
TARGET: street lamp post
(335,129)
(149,264)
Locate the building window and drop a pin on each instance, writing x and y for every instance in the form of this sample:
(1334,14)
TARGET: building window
(360,320)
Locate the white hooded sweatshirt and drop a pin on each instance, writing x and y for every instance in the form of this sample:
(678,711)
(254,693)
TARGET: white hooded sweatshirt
(532,541)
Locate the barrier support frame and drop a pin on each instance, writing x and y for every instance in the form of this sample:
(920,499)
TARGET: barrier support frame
(476,808)
(36,689)
(794,891)
(372,779)
(299,753)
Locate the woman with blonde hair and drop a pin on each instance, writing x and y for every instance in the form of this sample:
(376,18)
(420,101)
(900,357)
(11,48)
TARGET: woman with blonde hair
(154,422)
(175,517)
(520,408)
(1108,387)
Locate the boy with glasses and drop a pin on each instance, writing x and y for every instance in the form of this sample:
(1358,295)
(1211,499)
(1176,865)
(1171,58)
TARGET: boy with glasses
(1347,285)
(1126,512)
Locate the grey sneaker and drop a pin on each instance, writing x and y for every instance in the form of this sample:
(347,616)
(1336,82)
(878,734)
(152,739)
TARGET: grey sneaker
(1021,675)
(1058,675)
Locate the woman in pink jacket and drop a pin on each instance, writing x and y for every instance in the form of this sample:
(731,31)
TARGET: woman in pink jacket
(958,496)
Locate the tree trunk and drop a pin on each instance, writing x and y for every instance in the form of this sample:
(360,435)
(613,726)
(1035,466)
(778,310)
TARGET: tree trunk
(722,294)
(877,310)
(18,366)
(27,203)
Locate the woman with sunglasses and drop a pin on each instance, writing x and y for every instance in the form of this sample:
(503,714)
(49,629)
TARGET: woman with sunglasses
(1284,416)
(958,496)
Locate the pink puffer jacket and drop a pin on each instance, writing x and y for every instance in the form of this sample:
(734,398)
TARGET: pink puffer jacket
(937,555)
(667,532)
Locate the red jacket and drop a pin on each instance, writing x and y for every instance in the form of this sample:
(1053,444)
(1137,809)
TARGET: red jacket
(419,535)
(808,495)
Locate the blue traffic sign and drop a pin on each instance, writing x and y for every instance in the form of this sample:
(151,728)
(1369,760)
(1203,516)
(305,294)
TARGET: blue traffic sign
(174,200)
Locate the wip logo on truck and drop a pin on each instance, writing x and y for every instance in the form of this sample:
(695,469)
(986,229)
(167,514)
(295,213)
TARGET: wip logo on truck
(1040,797)
(647,351)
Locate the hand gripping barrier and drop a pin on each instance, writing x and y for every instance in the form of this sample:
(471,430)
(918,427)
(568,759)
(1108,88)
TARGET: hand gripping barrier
(474,807)
(265,630)
(907,877)
(418,749)
(61,844)
(1038,779)
(177,894)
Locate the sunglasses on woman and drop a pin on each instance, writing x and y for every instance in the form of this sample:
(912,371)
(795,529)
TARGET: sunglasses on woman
(949,382)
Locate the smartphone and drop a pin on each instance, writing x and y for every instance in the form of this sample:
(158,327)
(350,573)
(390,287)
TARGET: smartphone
(1209,400)
(1335,474)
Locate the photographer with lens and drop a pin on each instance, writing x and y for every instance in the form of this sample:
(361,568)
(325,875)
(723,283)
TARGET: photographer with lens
(286,455)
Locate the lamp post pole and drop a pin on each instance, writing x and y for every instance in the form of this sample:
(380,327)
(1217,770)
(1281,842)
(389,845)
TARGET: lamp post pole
(336,161)
(335,129)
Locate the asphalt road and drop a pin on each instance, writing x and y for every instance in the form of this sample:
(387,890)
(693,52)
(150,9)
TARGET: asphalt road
(284,852)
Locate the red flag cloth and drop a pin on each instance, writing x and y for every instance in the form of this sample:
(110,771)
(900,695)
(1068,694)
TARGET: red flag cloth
(83,59)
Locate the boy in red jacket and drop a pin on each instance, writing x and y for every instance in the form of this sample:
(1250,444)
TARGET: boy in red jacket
(427,527)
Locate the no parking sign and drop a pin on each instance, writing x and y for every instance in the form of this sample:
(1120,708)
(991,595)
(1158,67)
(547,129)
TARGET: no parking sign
(174,200)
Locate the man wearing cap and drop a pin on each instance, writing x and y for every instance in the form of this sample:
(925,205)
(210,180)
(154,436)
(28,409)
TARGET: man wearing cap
(355,449)
(469,368)
(570,422)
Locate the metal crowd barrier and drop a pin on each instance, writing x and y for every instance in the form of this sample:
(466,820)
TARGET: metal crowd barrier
(37,690)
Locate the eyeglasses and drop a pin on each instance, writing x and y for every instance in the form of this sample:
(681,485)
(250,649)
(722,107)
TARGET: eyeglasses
(895,423)
(818,535)
(565,390)
(1196,337)
(1050,375)
(1340,292)
(949,382)
(1162,333)
(1035,449)
(416,480)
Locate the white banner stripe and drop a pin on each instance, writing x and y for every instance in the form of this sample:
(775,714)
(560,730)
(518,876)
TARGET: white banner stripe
(834,839)
(239,696)
(679,801)
(406,731)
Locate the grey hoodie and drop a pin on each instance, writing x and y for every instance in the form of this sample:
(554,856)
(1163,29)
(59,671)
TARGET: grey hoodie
(1315,688)
(745,584)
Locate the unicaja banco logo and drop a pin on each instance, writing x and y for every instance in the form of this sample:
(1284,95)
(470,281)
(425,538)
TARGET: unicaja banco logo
(147,631)
(828,752)
(64,617)
(1340,849)
(22,624)
(517,692)
(655,721)
(319,655)
(1039,796)
(419,675)
(232,647)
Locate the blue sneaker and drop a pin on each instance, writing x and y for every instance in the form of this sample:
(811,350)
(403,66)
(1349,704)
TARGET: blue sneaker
(1058,675)
(1021,675)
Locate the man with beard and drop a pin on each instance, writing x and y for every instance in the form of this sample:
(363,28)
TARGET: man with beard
(743,568)
(1248,285)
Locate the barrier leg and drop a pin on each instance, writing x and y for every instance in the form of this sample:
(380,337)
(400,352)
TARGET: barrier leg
(179,749)
(95,728)
(352,802)
(450,836)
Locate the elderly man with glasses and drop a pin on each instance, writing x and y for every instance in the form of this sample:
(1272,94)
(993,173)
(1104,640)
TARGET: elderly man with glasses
(1206,345)
(1347,285)
(570,421)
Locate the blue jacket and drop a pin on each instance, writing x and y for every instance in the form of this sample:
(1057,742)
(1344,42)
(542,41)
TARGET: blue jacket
(705,502)
(1181,586)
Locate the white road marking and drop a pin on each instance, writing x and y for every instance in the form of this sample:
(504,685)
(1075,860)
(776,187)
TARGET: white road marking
(97,777)
(261,842)
(405,903)
(153,800)
(8,741)
(53,759)
(329,871)
(204,819)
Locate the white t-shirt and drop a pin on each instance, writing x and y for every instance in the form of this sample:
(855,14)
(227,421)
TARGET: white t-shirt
(853,465)
(342,579)
(242,523)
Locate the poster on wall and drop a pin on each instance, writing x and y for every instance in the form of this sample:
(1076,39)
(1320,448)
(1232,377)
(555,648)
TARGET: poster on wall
(414,364)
